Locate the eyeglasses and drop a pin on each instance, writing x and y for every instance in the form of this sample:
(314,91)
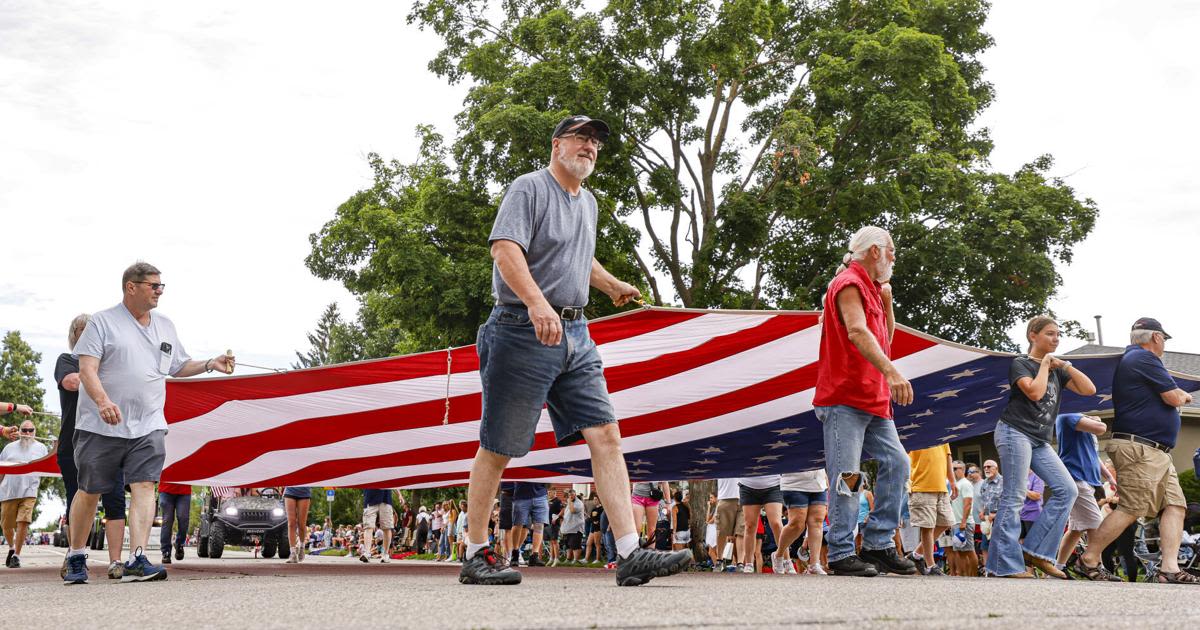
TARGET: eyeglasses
(986,466)
(973,471)
(584,138)
(154,286)
(28,430)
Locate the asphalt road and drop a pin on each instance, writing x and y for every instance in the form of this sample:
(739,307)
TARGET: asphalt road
(239,591)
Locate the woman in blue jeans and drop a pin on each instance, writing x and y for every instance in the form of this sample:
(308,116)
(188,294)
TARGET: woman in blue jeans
(1023,437)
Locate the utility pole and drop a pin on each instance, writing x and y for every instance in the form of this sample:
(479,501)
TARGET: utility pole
(1099,333)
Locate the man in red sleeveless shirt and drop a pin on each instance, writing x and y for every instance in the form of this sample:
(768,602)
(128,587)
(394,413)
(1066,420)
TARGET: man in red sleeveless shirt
(856,384)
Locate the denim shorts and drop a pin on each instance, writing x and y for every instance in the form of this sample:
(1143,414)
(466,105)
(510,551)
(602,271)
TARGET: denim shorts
(520,375)
(799,499)
(759,496)
(526,511)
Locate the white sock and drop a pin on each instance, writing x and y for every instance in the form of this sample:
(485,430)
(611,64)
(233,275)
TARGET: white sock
(76,552)
(627,544)
(473,548)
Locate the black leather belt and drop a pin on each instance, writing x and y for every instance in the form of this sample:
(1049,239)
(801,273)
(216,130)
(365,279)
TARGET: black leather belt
(569,313)
(1141,440)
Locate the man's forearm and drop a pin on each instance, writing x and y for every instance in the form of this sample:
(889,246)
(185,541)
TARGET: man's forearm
(600,277)
(869,347)
(91,381)
(890,318)
(514,269)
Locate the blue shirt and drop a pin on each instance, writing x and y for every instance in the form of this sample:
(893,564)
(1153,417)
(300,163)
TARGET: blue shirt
(376,496)
(1139,409)
(527,490)
(1077,450)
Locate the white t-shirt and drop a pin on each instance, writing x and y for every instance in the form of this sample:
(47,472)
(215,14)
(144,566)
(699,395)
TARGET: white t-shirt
(20,486)
(807,481)
(761,482)
(727,489)
(966,490)
(135,361)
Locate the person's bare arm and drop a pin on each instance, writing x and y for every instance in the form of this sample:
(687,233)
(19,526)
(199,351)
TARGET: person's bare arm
(222,363)
(70,382)
(1091,424)
(885,290)
(1176,397)
(1035,388)
(514,269)
(89,375)
(620,292)
(1033,495)
(850,309)
(968,502)
(950,477)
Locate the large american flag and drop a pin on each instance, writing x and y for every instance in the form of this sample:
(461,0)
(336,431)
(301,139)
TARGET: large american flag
(699,394)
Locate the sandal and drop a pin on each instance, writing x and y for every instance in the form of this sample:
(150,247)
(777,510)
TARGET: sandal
(1096,574)
(1179,577)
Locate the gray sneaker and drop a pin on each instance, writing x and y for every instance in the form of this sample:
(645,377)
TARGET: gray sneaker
(486,568)
(644,565)
(116,570)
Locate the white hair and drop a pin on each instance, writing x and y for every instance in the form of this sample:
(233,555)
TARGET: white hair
(1139,336)
(862,242)
(73,333)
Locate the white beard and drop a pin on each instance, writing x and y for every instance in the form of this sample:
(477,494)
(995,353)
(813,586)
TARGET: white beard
(578,167)
(886,274)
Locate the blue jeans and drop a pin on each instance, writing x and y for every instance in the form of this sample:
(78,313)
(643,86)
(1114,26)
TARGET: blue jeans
(1019,453)
(444,542)
(528,511)
(608,539)
(520,375)
(176,508)
(850,432)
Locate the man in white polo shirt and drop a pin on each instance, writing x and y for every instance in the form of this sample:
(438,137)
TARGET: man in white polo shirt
(125,356)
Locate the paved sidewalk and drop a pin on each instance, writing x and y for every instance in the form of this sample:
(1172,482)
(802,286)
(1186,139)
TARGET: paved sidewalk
(239,591)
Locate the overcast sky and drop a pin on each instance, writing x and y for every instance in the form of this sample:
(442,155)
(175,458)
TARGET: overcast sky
(212,138)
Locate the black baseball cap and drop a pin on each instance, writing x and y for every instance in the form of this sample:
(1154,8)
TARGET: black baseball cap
(573,123)
(1149,323)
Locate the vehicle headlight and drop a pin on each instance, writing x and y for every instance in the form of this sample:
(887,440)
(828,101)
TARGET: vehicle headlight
(277,512)
(231,511)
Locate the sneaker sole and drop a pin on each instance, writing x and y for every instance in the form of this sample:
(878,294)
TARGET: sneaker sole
(69,582)
(864,573)
(638,580)
(153,577)
(506,581)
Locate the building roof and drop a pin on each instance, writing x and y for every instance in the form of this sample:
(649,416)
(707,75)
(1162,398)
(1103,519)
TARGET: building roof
(1183,362)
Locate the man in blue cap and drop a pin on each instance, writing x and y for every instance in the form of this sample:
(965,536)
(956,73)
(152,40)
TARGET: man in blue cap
(1146,402)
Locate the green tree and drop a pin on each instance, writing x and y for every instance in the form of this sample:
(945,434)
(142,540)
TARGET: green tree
(751,138)
(19,382)
(414,249)
(334,341)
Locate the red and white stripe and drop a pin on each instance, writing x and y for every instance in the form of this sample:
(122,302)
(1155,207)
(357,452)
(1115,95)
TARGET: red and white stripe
(674,376)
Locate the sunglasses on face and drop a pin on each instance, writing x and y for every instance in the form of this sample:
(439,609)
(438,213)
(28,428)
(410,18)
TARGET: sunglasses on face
(27,430)
(154,286)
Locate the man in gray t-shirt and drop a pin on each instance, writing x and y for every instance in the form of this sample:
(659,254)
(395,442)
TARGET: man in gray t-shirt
(125,355)
(535,351)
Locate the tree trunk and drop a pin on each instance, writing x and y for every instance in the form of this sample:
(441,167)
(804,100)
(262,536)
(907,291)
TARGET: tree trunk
(698,492)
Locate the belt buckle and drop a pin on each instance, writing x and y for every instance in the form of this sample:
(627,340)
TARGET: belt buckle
(569,313)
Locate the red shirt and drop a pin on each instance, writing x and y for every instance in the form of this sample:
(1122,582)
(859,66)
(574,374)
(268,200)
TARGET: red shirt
(844,376)
(174,488)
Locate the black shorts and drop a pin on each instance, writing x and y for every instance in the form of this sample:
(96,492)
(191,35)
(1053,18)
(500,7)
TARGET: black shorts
(1025,527)
(755,496)
(573,541)
(506,502)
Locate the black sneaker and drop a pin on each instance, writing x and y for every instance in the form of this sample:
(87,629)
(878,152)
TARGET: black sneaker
(535,561)
(179,553)
(16,562)
(854,566)
(917,562)
(935,571)
(8,560)
(644,565)
(363,559)
(486,568)
(888,561)
(166,559)
(516,558)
